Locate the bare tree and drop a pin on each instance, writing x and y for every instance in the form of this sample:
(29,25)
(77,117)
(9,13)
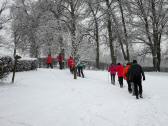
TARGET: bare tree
(109,27)
(94,12)
(126,55)
(152,18)
(3,18)
(28,22)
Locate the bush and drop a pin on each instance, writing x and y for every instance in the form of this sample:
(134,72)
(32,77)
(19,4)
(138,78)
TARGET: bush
(26,65)
(5,66)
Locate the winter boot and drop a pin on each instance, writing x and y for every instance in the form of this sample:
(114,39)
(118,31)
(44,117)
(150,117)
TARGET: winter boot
(113,82)
(130,91)
(140,96)
(133,93)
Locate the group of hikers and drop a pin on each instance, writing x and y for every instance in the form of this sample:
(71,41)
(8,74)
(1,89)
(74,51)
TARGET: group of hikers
(59,59)
(72,65)
(132,73)
(79,65)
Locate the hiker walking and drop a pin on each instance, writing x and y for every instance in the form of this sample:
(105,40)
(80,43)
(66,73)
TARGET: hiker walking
(60,59)
(71,64)
(49,61)
(112,70)
(126,69)
(80,67)
(136,74)
(120,70)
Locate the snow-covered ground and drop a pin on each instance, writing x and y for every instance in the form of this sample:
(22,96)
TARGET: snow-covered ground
(51,97)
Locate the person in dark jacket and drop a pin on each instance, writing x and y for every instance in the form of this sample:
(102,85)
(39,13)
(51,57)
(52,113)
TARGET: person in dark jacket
(60,59)
(135,75)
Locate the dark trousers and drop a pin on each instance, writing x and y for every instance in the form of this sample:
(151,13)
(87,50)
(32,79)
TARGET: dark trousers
(49,65)
(61,65)
(80,72)
(113,78)
(129,86)
(71,69)
(137,86)
(120,79)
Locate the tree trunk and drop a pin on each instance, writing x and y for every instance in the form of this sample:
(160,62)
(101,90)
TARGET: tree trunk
(14,65)
(125,31)
(155,37)
(155,63)
(97,49)
(96,34)
(60,37)
(97,43)
(74,50)
(73,35)
(118,33)
(158,56)
(155,59)
(109,27)
(113,59)
(34,48)
(75,72)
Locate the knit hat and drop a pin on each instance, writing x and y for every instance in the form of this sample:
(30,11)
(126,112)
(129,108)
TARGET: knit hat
(134,61)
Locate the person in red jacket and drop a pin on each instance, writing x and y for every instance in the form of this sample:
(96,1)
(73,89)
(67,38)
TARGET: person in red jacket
(71,64)
(60,59)
(49,61)
(112,70)
(126,69)
(120,70)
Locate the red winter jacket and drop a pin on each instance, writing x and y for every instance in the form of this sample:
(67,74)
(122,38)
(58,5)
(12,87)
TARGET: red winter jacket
(49,60)
(120,70)
(60,58)
(71,62)
(112,69)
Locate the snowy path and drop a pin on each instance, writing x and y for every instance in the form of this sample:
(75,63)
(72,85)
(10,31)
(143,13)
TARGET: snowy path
(53,98)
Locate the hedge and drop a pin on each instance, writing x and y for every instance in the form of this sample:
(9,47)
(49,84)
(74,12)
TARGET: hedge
(26,65)
(6,65)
